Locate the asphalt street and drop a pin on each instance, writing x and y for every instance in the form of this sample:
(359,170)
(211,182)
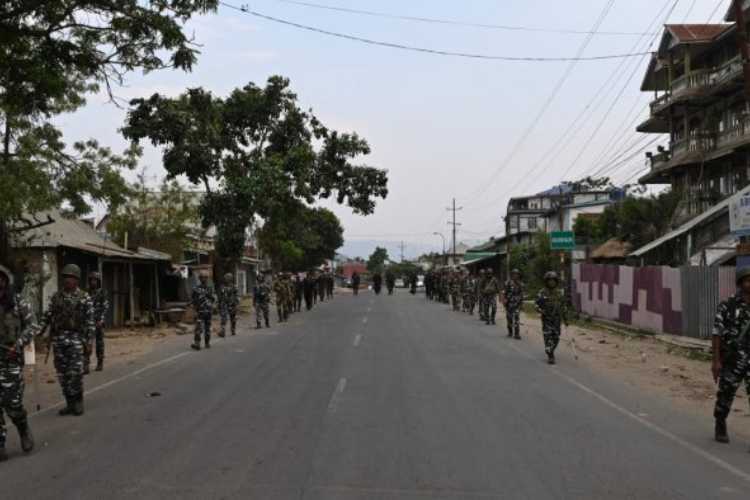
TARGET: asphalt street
(370,397)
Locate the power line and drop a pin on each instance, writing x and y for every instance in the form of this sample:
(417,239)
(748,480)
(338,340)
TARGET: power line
(438,52)
(548,102)
(452,22)
(716,9)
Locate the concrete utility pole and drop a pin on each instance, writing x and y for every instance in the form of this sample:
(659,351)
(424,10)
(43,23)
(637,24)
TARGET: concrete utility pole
(455,225)
(739,19)
(402,246)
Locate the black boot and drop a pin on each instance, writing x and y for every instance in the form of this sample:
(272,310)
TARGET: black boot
(510,333)
(258,326)
(550,359)
(27,439)
(268,324)
(100,364)
(721,431)
(517,336)
(3,454)
(68,409)
(196,346)
(208,343)
(86,369)
(78,406)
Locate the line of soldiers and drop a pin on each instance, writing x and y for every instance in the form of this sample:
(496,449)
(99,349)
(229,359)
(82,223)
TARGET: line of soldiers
(75,320)
(464,291)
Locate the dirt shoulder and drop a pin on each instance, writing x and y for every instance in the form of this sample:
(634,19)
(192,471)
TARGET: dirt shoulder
(653,366)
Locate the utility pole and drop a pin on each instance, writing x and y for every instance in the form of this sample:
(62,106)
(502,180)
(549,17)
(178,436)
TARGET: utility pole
(739,19)
(455,225)
(402,246)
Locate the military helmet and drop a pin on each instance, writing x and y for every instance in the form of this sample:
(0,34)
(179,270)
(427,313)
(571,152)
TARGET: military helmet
(72,270)
(551,275)
(515,271)
(228,277)
(742,273)
(95,275)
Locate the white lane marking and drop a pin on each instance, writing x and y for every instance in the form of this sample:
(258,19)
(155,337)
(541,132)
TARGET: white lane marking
(334,402)
(364,320)
(115,381)
(357,340)
(649,425)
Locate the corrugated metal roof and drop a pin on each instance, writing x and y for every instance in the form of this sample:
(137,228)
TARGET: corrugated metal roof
(73,233)
(696,33)
(705,216)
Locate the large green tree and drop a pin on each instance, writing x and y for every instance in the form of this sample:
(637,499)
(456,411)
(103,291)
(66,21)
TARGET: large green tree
(377,260)
(256,153)
(302,238)
(52,54)
(163,219)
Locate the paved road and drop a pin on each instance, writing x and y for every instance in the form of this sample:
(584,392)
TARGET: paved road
(371,398)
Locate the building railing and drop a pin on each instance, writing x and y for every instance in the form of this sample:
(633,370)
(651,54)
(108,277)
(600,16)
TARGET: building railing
(694,80)
(738,132)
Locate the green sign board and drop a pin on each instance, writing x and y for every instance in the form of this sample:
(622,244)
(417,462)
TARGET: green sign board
(563,240)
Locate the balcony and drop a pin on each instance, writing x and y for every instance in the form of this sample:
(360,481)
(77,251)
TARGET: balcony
(697,143)
(658,160)
(735,135)
(694,81)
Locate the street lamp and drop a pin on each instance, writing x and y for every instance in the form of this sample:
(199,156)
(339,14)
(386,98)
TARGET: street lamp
(443,237)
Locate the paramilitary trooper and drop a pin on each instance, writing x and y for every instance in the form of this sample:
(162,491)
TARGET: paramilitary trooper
(280,297)
(203,300)
(229,300)
(261,300)
(100,302)
(72,324)
(554,310)
(16,332)
(513,300)
(490,291)
(731,351)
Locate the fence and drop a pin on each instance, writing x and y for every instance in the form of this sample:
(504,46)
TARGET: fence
(679,301)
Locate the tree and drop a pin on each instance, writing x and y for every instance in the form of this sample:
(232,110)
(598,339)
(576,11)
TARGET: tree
(590,184)
(302,239)
(162,220)
(377,260)
(256,153)
(53,53)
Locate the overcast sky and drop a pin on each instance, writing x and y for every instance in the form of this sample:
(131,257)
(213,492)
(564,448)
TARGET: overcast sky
(444,127)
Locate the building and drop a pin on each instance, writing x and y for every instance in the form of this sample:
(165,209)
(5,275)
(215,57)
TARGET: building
(699,104)
(137,281)
(556,209)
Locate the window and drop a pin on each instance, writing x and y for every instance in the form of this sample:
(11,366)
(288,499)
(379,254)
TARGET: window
(532,223)
(514,222)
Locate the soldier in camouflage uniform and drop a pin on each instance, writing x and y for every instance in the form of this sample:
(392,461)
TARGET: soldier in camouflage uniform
(299,292)
(101,306)
(731,351)
(16,332)
(490,290)
(203,300)
(454,285)
(289,294)
(513,300)
(468,291)
(280,297)
(71,319)
(229,300)
(552,306)
(261,300)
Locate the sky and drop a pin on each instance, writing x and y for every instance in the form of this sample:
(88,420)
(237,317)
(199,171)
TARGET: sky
(477,130)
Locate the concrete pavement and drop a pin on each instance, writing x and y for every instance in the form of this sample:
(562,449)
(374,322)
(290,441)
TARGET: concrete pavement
(372,397)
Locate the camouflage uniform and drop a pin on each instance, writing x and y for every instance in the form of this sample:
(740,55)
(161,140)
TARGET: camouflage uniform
(299,292)
(468,292)
(513,299)
(16,332)
(100,303)
(490,290)
(229,300)
(71,317)
(733,315)
(552,306)
(455,291)
(290,299)
(261,299)
(203,299)
(280,292)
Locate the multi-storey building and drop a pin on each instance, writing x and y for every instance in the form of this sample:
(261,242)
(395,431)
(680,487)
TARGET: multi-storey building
(698,84)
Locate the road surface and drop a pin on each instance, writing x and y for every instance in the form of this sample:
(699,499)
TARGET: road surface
(370,398)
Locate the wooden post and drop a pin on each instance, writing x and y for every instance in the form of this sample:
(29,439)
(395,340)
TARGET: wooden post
(156,285)
(131,293)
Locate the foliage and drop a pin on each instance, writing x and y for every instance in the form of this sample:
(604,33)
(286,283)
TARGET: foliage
(377,260)
(255,154)
(404,269)
(161,220)
(301,238)
(590,184)
(534,260)
(637,220)
(53,53)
